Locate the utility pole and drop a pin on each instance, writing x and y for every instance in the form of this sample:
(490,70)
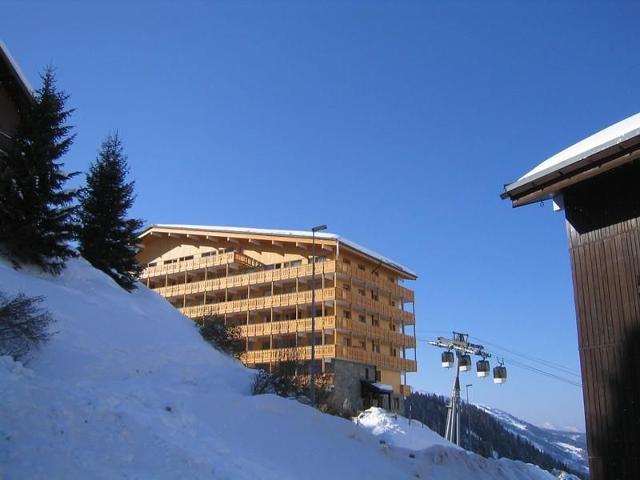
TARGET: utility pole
(312,369)
(468,410)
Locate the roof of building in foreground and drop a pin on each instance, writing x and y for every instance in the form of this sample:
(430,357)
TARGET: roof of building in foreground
(14,71)
(615,145)
(286,233)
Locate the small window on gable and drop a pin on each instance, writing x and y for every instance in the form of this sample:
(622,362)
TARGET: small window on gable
(361,267)
(347,261)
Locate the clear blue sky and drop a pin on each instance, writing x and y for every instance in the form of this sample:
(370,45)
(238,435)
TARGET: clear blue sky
(396,123)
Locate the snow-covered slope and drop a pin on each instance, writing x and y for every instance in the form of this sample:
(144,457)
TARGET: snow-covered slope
(569,448)
(127,389)
(399,431)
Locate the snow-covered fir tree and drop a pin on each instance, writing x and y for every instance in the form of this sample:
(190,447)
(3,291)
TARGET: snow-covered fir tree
(108,238)
(36,210)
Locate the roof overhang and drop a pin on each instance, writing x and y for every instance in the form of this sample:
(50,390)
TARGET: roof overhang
(610,148)
(11,75)
(328,240)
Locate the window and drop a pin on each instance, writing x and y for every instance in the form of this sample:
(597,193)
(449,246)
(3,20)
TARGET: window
(152,264)
(361,267)
(392,303)
(375,322)
(394,352)
(374,295)
(346,286)
(206,254)
(396,403)
(347,261)
(378,376)
(362,318)
(366,374)
(361,292)
(347,314)
(346,341)
(391,279)
(363,344)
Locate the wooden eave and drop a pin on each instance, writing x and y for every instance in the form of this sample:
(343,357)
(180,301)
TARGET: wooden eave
(553,182)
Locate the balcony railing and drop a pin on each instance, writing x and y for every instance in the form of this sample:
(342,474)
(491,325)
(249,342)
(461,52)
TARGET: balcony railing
(287,354)
(243,280)
(397,339)
(260,303)
(381,282)
(200,263)
(369,304)
(287,326)
(373,358)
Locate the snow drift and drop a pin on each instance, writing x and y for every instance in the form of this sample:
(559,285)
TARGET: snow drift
(127,389)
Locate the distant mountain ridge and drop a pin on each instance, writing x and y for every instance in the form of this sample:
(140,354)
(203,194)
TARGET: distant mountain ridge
(567,447)
(498,434)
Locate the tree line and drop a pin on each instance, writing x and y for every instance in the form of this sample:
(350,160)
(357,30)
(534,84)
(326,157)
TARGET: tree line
(487,436)
(40,216)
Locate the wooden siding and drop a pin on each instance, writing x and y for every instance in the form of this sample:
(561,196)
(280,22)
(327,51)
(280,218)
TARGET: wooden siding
(603,225)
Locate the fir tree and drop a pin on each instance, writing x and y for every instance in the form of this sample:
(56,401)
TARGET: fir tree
(36,211)
(108,239)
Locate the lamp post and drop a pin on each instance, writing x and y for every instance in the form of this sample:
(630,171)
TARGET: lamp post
(468,411)
(312,392)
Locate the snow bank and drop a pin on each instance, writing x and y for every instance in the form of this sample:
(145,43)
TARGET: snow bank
(398,431)
(127,389)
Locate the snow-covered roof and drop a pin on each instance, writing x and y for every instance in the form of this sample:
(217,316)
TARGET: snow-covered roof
(290,233)
(611,136)
(4,51)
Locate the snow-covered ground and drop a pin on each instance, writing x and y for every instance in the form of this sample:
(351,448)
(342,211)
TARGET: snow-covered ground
(127,389)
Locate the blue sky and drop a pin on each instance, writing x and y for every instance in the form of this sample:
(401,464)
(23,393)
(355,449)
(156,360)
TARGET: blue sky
(395,123)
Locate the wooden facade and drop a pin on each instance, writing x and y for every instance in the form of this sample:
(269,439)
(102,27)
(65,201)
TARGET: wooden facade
(15,96)
(599,190)
(261,282)
(603,224)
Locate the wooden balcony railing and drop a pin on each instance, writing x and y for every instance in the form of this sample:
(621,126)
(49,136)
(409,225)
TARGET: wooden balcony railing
(261,303)
(397,339)
(287,354)
(200,263)
(243,280)
(381,282)
(369,304)
(378,359)
(287,326)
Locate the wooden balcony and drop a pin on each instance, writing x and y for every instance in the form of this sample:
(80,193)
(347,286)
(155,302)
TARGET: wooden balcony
(243,280)
(287,326)
(287,354)
(364,302)
(373,358)
(261,303)
(397,339)
(381,282)
(200,264)
(405,390)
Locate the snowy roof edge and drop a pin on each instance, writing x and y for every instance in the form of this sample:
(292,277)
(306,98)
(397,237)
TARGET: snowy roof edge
(289,233)
(585,148)
(16,68)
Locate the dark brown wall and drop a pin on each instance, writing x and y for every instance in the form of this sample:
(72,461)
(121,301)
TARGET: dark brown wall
(603,223)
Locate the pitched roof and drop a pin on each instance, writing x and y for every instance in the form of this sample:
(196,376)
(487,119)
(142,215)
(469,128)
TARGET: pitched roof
(289,233)
(614,142)
(15,71)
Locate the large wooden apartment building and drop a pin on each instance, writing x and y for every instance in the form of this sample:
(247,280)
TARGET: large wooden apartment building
(260,281)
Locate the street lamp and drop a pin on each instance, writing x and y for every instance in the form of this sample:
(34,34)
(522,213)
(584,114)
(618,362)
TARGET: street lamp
(312,392)
(468,411)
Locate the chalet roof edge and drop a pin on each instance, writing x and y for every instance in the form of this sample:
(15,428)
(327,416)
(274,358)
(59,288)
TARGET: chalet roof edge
(552,168)
(288,233)
(17,71)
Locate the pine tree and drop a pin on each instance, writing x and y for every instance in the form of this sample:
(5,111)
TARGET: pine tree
(108,239)
(36,211)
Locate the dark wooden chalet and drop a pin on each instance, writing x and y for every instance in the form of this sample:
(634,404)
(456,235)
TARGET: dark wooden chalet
(597,184)
(15,95)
